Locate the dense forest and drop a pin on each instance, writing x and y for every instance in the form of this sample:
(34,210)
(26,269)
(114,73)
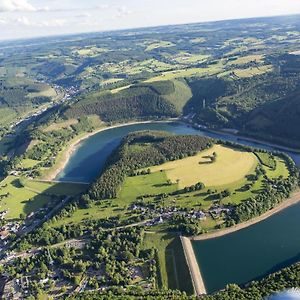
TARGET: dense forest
(138,101)
(255,105)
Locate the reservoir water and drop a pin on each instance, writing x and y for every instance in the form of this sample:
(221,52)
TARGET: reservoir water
(235,258)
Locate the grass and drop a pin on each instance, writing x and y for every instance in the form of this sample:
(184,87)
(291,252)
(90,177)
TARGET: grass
(174,273)
(247,59)
(230,166)
(281,169)
(188,58)
(117,90)
(252,71)
(266,159)
(28,163)
(198,40)
(7,115)
(28,196)
(159,44)
(181,95)
(228,172)
(131,189)
(111,81)
(44,91)
(189,72)
(57,189)
(89,51)
(155,183)
(20,200)
(60,125)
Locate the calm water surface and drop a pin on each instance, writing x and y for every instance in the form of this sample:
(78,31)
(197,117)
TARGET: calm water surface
(236,258)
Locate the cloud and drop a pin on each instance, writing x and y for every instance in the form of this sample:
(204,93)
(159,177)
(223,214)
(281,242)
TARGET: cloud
(123,11)
(102,6)
(24,21)
(16,5)
(83,15)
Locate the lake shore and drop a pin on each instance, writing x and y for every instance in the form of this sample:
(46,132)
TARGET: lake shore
(254,140)
(190,256)
(193,266)
(71,148)
(294,199)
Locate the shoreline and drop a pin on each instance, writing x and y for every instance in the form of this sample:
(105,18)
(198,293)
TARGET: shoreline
(194,269)
(71,148)
(293,200)
(253,140)
(67,153)
(190,257)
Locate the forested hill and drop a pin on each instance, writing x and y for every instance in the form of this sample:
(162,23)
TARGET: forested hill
(157,99)
(141,150)
(254,105)
(241,74)
(265,106)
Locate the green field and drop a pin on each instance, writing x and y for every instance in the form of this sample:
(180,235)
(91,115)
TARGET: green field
(252,71)
(231,172)
(188,72)
(21,196)
(242,60)
(174,272)
(159,44)
(230,166)
(133,187)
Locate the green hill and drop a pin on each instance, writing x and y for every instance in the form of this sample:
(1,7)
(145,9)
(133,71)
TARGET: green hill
(159,99)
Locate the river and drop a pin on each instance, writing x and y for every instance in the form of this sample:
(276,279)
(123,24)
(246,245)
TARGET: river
(235,258)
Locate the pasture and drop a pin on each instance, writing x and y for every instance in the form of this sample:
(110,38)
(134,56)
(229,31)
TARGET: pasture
(252,71)
(229,171)
(242,60)
(230,166)
(22,196)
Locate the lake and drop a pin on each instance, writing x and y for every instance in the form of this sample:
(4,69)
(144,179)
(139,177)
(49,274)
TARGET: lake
(235,258)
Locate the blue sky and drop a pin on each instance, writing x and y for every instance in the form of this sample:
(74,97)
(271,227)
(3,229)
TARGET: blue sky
(29,18)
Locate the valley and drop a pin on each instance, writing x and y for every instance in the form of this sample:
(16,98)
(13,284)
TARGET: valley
(117,146)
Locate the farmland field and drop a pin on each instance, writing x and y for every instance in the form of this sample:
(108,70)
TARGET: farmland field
(230,166)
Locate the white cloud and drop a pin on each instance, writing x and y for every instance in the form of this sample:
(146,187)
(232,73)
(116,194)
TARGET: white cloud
(102,6)
(83,15)
(24,21)
(16,5)
(123,11)
(52,23)
(3,21)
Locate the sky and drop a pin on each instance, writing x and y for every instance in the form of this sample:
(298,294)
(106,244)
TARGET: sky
(32,18)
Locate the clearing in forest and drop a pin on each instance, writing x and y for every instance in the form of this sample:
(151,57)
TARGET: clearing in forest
(229,167)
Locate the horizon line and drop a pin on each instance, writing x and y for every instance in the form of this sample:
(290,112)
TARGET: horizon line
(139,28)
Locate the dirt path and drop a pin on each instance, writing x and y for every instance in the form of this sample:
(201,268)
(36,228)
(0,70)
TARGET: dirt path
(194,269)
(294,199)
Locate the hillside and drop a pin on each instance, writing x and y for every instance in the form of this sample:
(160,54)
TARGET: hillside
(157,99)
(255,105)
